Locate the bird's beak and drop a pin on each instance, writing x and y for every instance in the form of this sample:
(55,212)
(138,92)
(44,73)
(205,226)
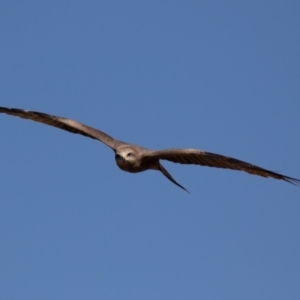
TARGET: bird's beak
(119,157)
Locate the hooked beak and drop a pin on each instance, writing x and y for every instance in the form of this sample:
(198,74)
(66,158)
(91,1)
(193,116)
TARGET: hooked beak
(119,157)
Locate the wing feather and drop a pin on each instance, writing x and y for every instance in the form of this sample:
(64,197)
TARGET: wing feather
(63,123)
(199,157)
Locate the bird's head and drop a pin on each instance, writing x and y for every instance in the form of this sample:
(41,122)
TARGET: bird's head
(125,157)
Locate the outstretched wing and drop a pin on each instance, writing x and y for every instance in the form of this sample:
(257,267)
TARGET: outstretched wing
(63,123)
(198,157)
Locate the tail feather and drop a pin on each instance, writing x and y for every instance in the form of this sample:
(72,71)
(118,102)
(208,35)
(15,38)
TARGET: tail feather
(168,175)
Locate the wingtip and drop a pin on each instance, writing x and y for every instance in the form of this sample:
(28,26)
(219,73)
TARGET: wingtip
(292,180)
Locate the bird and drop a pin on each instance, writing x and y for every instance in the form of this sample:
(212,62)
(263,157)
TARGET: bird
(135,159)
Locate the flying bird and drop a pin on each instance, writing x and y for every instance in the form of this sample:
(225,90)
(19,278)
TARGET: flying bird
(134,159)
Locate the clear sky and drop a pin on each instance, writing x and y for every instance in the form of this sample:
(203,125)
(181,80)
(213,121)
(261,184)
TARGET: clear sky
(221,76)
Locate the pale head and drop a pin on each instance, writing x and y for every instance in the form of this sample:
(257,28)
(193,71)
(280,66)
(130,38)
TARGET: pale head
(126,158)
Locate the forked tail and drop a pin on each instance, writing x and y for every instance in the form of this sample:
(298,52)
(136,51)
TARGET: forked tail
(168,175)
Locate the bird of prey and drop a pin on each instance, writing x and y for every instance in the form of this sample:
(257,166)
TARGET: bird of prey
(134,159)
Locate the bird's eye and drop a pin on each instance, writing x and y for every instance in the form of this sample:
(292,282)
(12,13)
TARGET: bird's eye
(129,154)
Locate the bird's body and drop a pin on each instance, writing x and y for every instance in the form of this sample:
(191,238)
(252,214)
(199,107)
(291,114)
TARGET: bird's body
(134,159)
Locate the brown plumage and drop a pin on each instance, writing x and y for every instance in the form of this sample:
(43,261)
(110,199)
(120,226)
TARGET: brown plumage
(134,159)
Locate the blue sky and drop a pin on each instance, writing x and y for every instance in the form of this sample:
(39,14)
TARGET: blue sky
(213,75)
